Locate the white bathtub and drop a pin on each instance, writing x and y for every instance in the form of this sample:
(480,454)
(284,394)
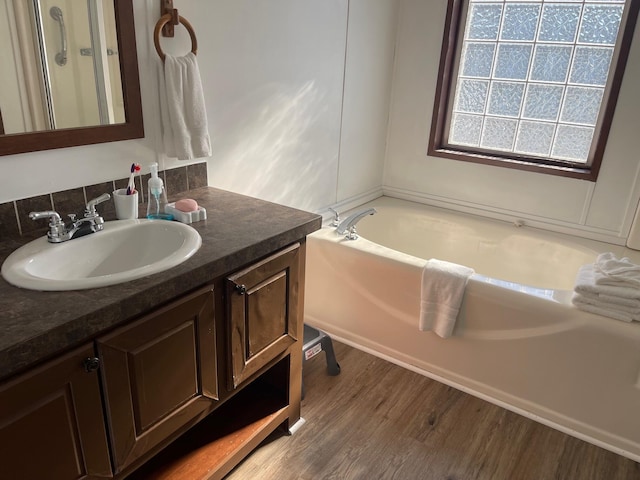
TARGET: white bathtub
(518,341)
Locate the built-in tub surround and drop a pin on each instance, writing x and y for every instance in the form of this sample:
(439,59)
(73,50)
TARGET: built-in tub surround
(14,216)
(518,342)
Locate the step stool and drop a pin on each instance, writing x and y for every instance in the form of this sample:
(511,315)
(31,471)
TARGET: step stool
(316,341)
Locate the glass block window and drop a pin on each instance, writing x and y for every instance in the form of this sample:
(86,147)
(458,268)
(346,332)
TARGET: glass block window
(531,80)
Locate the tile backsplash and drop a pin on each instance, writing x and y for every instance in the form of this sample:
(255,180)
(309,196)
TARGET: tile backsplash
(14,216)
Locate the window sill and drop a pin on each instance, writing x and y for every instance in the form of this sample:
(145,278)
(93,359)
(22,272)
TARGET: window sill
(581,173)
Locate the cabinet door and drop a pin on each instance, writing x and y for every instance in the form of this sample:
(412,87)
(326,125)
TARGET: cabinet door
(262,303)
(159,374)
(52,422)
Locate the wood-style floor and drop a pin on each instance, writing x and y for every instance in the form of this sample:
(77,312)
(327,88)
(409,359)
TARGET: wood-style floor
(379,421)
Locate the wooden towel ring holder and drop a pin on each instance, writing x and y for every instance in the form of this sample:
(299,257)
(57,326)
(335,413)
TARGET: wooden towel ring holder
(165,19)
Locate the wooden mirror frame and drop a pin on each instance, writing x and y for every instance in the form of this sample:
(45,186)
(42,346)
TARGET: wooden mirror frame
(71,137)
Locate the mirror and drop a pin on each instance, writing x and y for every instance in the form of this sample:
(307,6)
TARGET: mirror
(71,75)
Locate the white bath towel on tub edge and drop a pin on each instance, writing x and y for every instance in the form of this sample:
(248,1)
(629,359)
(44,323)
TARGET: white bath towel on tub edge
(443,287)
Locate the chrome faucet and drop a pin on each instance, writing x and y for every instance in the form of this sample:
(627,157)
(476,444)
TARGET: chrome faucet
(91,222)
(348,226)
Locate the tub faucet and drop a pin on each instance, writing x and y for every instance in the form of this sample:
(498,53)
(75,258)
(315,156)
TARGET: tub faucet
(348,226)
(91,222)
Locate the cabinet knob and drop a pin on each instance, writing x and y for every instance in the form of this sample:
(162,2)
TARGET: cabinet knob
(241,289)
(91,364)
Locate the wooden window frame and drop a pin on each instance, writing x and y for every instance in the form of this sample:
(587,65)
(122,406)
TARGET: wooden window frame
(446,83)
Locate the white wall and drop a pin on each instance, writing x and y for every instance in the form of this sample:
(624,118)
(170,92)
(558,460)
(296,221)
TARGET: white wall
(602,210)
(274,92)
(371,43)
(273,75)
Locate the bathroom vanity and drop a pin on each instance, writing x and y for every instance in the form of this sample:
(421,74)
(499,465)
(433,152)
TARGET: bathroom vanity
(177,375)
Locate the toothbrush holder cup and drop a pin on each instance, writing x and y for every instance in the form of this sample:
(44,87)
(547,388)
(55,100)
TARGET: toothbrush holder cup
(126,205)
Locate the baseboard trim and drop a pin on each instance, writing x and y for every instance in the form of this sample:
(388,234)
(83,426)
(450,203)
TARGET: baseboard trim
(296,426)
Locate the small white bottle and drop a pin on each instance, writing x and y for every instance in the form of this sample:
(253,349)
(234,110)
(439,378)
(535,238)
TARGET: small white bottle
(157,196)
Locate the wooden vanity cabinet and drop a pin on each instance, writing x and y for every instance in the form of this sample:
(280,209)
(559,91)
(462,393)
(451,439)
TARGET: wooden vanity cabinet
(51,421)
(220,368)
(262,360)
(263,316)
(159,374)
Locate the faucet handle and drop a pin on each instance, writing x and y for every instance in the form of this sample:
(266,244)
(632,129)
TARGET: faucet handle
(56,225)
(336,218)
(352,234)
(90,210)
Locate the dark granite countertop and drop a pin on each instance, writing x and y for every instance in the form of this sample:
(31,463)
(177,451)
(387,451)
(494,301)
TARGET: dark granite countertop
(35,326)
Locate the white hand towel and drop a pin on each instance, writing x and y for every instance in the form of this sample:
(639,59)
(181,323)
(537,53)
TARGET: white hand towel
(611,270)
(443,286)
(586,284)
(165,122)
(182,109)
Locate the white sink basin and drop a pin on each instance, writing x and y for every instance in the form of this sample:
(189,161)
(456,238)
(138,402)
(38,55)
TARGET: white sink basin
(125,250)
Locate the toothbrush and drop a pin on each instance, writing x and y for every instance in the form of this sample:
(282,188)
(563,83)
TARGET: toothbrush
(131,187)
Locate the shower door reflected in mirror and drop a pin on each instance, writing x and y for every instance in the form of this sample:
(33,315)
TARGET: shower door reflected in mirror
(61,66)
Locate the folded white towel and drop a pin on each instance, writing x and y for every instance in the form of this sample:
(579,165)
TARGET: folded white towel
(611,270)
(182,109)
(607,312)
(598,301)
(619,302)
(625,304)
(443,286)
(586,284)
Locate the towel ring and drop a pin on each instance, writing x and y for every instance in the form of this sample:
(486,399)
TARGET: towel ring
(162,22)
